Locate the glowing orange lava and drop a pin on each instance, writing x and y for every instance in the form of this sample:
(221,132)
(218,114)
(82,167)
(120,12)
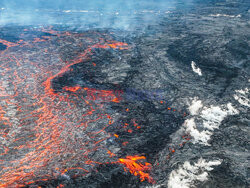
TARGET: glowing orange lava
(48,132)
(138,168)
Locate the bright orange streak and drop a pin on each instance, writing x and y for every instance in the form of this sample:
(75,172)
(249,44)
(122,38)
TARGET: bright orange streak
(54,127)
(72,89)
(136,168)
(116,45)
(78,60)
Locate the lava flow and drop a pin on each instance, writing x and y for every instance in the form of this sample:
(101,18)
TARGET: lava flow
(46,134)
(53,132)
(136,168)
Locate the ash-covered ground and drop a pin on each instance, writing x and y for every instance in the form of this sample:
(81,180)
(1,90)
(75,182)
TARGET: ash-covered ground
(163,105)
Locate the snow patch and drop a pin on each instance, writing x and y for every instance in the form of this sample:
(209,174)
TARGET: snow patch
(210,119)
(198,136)
(154,186)
(195,106)
(186,175)
(242,96)
(195,68)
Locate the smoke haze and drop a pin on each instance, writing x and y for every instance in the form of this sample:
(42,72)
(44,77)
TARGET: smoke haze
(117,14)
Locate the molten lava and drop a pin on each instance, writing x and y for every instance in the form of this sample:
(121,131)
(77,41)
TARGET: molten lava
(138,168)
(44,132)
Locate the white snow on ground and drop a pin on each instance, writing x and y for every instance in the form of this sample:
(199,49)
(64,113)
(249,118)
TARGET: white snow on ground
(187,174)
(198,136)
(226,15)
(154,186)
(242,96)
(211,118)
(195,68)
(195,106)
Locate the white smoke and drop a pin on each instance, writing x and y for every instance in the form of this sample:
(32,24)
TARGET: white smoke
(225,15)
(96,14)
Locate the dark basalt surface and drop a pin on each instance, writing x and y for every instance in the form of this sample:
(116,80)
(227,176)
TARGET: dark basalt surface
(2,47)
(159,60)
